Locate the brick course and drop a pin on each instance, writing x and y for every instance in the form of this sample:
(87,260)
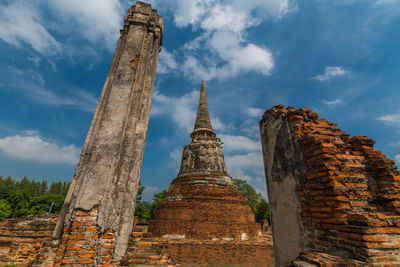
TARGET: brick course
(22,240)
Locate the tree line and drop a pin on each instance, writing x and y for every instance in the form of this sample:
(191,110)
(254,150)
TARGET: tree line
(145,210)
(23,197)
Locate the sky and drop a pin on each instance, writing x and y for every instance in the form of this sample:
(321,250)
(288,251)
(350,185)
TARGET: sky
(339,58)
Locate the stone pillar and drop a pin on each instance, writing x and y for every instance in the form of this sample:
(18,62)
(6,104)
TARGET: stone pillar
(285,170)
(98,214)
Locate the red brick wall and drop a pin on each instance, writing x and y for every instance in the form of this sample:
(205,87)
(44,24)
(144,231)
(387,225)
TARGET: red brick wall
(83,244)
(255,253)
(350,199)
(203,211)
(23,239)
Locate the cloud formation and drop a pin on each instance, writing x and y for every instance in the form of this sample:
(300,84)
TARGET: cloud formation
(182,110)
(331,72)
(25,22)
(391,119)
(254,112)
(21,23)
(223,26)
(34,148)
(95,20)
(239,143)
(166,62)
(32,86)
(336,101)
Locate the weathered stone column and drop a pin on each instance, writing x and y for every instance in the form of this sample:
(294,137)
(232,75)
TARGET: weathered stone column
(99,211)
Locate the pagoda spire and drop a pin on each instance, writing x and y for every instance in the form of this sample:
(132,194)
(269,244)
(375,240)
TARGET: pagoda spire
(203,123)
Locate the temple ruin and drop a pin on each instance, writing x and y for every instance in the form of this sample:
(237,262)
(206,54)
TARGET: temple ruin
(334,200)
(202,201)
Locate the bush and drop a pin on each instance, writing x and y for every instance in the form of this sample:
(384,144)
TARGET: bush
(5,209)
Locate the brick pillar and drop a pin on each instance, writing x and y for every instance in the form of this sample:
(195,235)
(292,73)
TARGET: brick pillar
(98,214)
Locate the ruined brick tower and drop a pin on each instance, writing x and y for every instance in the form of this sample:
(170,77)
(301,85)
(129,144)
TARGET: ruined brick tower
(202,201)
(98,213)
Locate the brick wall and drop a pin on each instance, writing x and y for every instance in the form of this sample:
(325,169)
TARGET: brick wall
(220,253)
(350,196)
(197,207)
(83,244)
(23,239)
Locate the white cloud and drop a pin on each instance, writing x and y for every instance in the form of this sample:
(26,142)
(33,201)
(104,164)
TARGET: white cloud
(96,20)
(21,23)
(35,60)
(26,22)
(391,118)
(332,102)
(235,15)
(239,143)
(217,124)
(254,112)
(175,159)
(32,86)
(224,25)
(252,130)
(176,155)
(34,148)
(397,158)
(331,72)
(79,98)
(180,109)
(166,62)
(239,164)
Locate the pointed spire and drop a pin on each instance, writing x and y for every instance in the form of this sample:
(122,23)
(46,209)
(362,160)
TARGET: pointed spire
(203,117)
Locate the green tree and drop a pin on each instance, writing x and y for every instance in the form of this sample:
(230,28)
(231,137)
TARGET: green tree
(9,182)
(249,193)
(35,188)
(255,200)
(19,201)
(157,199)
(56,188)
(30,197)
(64,189)
(142,209)
(43,187)
(42,204)
(24,184)
(262,211)
(5,209)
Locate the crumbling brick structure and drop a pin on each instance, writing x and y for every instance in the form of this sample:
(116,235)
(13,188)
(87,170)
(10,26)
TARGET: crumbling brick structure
(22,240)
(333,198)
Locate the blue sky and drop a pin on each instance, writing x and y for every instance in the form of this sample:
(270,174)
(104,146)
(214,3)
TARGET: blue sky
(339,58)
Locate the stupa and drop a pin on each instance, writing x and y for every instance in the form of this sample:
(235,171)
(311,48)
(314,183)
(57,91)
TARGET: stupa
(203,202)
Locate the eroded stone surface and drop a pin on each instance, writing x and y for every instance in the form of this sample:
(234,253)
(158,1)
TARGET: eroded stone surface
(107,175)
